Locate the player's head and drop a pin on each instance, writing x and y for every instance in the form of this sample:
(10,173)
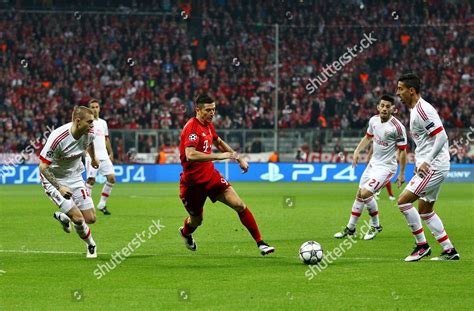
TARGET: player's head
(385,107)
(408,88)
(205,108)
(83,119)
(94,105)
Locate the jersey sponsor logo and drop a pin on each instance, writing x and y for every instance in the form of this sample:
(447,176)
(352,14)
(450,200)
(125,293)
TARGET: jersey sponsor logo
(429,126)
(380,142)
(73,157)
(193,137)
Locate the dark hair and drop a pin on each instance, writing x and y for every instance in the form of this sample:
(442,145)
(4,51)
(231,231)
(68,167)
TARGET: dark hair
(93,100)
(388,98)
(202,99)
(411,80)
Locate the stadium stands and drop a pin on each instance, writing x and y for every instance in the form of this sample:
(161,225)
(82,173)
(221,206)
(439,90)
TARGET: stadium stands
(146,68)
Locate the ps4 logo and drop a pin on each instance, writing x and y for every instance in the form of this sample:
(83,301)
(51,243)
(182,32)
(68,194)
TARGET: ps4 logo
(273,173)
(326,172)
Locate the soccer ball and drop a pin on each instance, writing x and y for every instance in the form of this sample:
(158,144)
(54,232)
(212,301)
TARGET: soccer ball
(311,252)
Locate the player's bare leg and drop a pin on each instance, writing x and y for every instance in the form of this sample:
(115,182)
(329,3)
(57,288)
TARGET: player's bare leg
(230,198)
(82,229)
(434,223)
(105,194)
(405,204)
(89,216)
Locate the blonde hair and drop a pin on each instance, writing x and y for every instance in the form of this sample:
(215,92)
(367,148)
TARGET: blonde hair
(80,112)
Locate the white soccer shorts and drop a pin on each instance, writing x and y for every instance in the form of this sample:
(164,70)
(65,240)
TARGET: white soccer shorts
(80,196)
(427,188)
(375,178)
(105,168)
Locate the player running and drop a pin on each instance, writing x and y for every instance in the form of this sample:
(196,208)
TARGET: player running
(388,135)
(104,154)
(200,179)
(432,167)
(61,174)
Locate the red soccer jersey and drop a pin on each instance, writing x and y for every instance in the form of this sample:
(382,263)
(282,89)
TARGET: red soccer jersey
(197,135)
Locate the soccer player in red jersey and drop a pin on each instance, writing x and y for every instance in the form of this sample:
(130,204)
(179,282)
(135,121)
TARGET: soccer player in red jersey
(200,179)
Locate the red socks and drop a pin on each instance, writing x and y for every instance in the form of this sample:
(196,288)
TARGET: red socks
(187,229)
(389,188)
(246,218)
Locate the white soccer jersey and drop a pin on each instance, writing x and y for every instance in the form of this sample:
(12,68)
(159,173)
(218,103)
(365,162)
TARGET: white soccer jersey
(64,153)
(424,125)
(101,132)
(387,137)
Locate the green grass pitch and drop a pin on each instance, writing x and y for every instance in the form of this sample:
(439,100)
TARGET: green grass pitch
(41,267)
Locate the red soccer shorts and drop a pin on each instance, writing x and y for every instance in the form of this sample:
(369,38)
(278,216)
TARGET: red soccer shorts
(194,196)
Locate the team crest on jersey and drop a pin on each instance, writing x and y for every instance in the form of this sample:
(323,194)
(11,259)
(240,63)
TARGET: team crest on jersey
(49,154)
(192,137)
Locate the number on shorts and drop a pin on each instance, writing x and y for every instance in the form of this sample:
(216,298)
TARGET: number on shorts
(224,181)
(84,194)
(372,182)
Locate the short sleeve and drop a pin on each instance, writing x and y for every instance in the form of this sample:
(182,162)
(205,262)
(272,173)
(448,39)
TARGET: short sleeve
(370,129)
(48,151)
(190,136)
(402,140)
(430,119)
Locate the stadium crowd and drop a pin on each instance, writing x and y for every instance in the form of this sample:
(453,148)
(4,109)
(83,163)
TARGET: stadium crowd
(146,69)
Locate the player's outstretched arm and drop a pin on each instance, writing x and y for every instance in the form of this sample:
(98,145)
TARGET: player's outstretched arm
(193,155)
(224,147)
(364,142)
(45,170)
(402,158)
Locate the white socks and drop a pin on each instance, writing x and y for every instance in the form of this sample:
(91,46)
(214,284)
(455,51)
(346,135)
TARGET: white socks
(414,222)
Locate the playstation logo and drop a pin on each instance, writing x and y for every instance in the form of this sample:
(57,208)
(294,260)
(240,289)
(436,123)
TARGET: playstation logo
(273,173)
